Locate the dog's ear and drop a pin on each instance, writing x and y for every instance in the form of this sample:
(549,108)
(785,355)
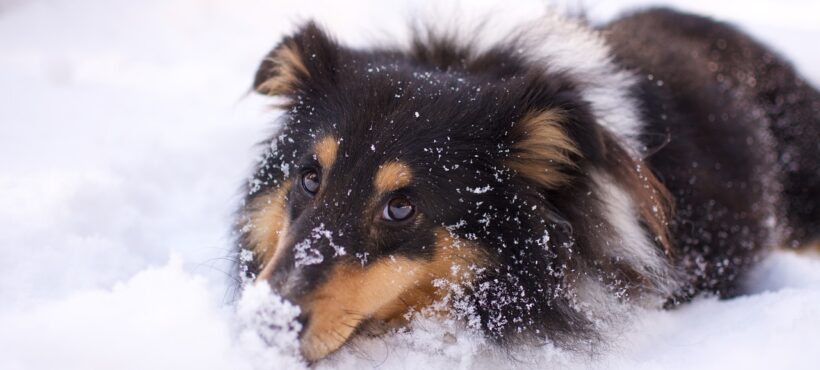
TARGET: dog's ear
(301,62)
(542,150)
(553,133)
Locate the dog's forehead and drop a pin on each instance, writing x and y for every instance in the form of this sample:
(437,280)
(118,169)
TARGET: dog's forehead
(407,112)
(399,88)
(413,144)
(427,120)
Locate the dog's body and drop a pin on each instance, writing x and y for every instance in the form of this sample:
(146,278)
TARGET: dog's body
(531,183)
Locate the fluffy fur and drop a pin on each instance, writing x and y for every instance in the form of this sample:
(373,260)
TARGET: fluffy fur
(549,173)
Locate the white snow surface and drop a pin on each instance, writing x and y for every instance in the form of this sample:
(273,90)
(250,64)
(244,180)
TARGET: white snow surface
(126,130)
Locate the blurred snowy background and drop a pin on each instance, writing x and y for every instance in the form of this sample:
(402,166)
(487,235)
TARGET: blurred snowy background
(125,133)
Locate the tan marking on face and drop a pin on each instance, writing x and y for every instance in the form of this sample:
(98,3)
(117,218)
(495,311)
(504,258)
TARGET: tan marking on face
(455,261)
(392,176)
(268,223)
(325,151)
(350,295)
(384,290)
(286,69)
(544,149)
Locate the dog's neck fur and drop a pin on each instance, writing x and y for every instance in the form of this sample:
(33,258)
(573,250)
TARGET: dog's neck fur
(561,44)
(569,46)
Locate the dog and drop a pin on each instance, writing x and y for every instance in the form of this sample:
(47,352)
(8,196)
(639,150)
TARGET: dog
(526,183)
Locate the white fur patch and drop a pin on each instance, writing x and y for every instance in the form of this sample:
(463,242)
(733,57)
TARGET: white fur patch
(565,45)
(571,47)
(631,242)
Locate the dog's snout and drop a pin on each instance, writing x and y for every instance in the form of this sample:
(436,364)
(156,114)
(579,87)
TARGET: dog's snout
(289,284)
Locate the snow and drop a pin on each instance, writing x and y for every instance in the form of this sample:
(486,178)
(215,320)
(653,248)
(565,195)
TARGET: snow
(479,190)
(307,255)
(127,130)
(269,328)
(160,318)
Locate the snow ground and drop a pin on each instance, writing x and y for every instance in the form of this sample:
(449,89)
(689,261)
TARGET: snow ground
(126,131)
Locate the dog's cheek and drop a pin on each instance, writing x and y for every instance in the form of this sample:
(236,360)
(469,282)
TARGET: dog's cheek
(350,295)
(455,265)
(267,225)
(386,290)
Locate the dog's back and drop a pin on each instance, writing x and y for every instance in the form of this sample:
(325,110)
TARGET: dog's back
(733,132)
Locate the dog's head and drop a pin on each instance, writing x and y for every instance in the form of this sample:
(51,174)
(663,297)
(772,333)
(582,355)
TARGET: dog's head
(398,174)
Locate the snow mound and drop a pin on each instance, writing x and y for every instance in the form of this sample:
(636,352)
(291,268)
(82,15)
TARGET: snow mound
(269,328)
(167,318)
(161,318)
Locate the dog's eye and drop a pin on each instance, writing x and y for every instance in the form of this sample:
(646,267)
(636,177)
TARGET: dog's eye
(310,182)
(398,209)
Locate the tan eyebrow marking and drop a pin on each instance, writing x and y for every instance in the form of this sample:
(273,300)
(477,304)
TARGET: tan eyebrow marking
(392,176)
(326,150)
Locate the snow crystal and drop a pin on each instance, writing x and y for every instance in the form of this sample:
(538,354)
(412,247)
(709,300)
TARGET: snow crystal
(305,254)
(322,232)
(481,190)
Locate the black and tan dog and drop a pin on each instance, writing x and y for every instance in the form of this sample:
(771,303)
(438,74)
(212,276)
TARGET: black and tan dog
(531,180)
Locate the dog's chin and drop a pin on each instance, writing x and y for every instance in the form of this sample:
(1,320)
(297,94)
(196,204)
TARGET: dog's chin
(315,347)
(317,344)
(327,331)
